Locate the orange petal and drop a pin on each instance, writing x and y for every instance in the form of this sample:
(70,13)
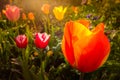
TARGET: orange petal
(84,22)
(80,39)
(95,53)
(99,27)
(67,44)
(75,34)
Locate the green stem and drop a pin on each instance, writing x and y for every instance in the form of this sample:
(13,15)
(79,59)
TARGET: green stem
(34,24)
(48,24)
(52,36)
(16,25)
(46,28)
(25,69)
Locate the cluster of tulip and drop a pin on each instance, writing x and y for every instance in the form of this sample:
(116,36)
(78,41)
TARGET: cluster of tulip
(84,49)
(41,40)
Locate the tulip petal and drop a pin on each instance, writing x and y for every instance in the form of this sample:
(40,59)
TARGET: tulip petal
(67,44)
(95,53)
(99,27)
(80,39)
(65,9)
(72,37)
(84,22)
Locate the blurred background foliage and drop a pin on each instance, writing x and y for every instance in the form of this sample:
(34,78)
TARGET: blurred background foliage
(54,67)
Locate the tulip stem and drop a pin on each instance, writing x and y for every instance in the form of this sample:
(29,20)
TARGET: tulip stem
(48,24)
(45,27)
(81,76)
(34,25)
(16,25)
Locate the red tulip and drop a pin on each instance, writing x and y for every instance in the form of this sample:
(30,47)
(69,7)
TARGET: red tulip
(12,13)
(21,41)
(41,40)
(84,49)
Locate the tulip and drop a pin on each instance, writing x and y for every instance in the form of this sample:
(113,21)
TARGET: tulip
(31,16)
(59,12)
(12,13)
(24,16)
(85,50)
(45,8)
(41,40)
(75,9)
(21,41)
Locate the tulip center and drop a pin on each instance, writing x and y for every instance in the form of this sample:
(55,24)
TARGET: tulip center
(43,37)
(13,9)
(21,39)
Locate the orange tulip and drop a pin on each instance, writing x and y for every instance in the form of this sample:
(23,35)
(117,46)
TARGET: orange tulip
(84,49)
(31,16)
(24,16)
(45,8)
(75,9)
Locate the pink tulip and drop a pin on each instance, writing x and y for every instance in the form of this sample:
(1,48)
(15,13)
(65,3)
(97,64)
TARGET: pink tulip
(21,41)
(12,13)
(41,40)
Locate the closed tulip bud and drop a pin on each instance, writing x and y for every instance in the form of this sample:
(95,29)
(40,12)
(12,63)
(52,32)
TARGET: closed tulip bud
(41,40)
(59,12)
(45,8)
(75,9)
(31,16)
(24,16)
(85,50)
(12,13)
(21,41)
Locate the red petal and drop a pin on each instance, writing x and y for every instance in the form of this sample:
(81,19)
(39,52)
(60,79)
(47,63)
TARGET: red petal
(67,43)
